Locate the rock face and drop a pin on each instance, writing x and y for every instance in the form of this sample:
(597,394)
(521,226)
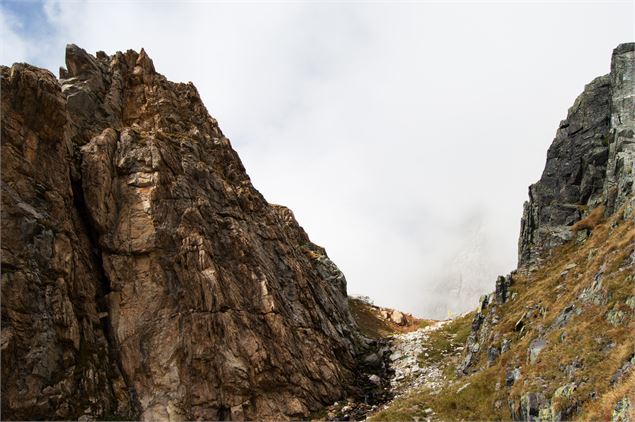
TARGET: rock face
(142,271)
(588,177)
(589,163)
(589,167)
(57,361)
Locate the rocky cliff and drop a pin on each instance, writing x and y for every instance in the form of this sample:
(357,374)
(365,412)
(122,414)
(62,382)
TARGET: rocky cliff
(576,246)
(589,164)
(571,313)
(143,276)
(554,341)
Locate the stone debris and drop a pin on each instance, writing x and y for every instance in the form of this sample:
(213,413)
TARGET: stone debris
(401,376)
(409,375)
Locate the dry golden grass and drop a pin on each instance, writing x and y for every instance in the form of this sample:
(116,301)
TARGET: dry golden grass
(590,221)
(374,326)
(370,325)
(602,408)
(588,337)
(616,243)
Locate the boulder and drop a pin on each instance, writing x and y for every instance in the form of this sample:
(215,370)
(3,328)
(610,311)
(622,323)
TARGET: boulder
(535,347)
(398,318)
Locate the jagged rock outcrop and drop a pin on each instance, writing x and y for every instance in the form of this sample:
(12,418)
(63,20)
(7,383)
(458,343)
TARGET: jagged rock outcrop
(588,177)
(484,318)
(57,362)
(143,274)
(589,164)
(554,341)
(589,167)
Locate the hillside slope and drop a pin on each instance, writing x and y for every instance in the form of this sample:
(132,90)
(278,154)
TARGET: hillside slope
(554,341)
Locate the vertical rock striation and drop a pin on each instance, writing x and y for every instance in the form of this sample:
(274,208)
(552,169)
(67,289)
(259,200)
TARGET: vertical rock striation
(214,304)
(589,168)
(619,176)
(589,163)
(57,362)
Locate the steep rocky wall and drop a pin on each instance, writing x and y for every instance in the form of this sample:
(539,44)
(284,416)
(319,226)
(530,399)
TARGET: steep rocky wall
(56,358)
(589,163)
(216,303)
(619,181)
(589,167)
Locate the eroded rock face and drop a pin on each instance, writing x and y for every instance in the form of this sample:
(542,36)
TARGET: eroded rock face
(56,359)
(589,163)
(216,303)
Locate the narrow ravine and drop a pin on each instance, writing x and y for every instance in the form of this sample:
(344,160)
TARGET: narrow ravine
(409,373)
(404,360)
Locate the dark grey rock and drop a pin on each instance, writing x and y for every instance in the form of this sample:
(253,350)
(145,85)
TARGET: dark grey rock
(563,317)
(618,183)
(588,164)
(493,353)
(623,370)
(372,359)
(483,302)
(528,408)
(502,288)
(511,376)
(505,345)
(535,347)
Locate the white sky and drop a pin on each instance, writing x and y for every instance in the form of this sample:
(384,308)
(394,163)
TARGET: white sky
(403,136)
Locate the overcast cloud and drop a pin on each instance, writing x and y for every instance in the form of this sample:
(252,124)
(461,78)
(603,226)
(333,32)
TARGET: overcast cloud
(403,136)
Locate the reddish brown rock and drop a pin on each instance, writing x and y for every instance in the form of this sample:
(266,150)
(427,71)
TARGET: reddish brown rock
(216,303)
(56,360)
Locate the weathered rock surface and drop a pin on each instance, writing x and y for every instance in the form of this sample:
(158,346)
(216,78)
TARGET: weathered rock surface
(589,168)
(56,359)
(589,163)
(143,274)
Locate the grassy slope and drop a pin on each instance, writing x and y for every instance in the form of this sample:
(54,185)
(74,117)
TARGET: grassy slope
(599,346)
(374,326)
(445,342)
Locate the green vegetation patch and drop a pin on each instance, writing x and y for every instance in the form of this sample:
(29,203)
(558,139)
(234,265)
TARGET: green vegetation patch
(444,342)
(474,398)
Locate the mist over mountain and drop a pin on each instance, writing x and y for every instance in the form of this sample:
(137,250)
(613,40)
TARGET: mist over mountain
(149,271)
